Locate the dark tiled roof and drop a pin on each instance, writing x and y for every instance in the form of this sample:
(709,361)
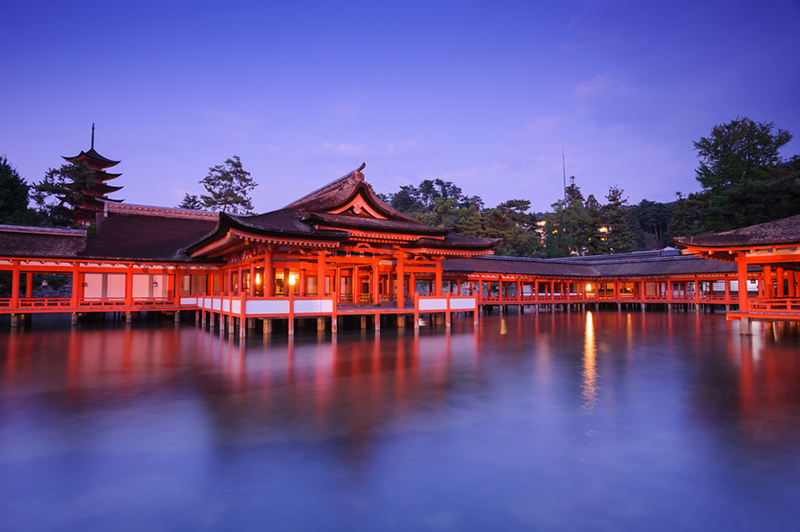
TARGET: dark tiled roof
(139,237)
(363,222)
(455,240)
(16,241)
(622,265)
(282,222)
(339,192)
(784,231)
(518,266)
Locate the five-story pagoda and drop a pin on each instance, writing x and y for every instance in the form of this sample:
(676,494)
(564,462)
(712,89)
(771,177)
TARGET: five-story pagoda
(94,190)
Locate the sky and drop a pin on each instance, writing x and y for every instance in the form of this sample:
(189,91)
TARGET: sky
(485,94)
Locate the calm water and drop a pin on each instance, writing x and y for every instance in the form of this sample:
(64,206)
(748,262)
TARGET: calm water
(598,421)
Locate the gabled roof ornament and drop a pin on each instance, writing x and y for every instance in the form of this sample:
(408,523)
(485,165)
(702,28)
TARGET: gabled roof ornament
(357,175)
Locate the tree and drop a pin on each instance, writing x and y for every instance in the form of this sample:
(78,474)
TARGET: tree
(228,186)
(739,163)
(570,227)
(191,202)
(615,218)
(653,220)
(62,191)
(13,194)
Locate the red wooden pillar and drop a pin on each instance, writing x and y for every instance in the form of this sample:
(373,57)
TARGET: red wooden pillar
(792,278)
(356,285)
(15,284)
(401,276)
(77,285)
(252,291)
(174,284)
(322,273)
(768,293)
(376,277)
(779,281)
(412,283)
(302,282)
(129,286)
(336,289)
(727,291)
(269,276)
(29,285)
(741,271)
(438,277)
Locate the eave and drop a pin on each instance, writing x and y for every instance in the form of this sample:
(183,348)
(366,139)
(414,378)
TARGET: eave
(236,240)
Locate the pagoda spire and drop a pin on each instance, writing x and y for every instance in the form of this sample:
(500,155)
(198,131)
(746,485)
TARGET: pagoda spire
(92,135)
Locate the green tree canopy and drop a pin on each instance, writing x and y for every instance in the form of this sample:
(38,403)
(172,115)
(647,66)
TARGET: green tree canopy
(62,191)
(616,223)
(743,177)
(570,227)
(228,186)
(192,202)
(13,194)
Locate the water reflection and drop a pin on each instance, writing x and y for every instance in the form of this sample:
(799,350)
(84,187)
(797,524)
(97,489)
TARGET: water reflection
(589,365)
(478,428)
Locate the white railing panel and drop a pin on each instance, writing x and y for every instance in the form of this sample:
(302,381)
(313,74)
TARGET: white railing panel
(188,301)
(313,306)
(433,304)
(462,303)
(267,306)
(226,305)
(236,306)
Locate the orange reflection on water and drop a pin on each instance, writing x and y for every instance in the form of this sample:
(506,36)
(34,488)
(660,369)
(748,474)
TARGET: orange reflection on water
(589,373)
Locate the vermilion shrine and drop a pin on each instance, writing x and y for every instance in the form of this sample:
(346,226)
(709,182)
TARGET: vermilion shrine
(341,251)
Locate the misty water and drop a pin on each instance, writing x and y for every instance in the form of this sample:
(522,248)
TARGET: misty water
(582,421)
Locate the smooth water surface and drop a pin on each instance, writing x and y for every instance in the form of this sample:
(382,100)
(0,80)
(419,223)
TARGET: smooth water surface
(595,421)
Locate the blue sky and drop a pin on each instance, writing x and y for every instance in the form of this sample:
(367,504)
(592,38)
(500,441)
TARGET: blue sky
(479,93)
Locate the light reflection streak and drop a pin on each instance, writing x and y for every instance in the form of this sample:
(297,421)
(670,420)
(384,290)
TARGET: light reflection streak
(589,365)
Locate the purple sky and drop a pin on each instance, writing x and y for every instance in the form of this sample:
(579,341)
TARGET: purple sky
(479,93)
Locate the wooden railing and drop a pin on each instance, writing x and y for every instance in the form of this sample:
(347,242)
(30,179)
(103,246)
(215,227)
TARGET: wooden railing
(775,305)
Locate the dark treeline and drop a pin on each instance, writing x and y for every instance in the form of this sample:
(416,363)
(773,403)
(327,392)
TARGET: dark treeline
(743,178)
(575,226)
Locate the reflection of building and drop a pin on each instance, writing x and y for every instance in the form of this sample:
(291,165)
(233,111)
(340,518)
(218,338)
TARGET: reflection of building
(340,251)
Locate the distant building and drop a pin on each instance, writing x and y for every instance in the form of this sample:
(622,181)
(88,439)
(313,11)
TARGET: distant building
(95,193)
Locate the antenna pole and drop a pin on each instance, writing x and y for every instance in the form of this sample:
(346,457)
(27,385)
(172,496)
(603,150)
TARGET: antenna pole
(564,170)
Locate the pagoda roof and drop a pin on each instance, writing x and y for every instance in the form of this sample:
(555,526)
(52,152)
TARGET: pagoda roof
(779,232)
(102,188)
(92,156)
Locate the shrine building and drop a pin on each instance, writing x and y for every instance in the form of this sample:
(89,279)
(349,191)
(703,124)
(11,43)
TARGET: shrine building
(341,253)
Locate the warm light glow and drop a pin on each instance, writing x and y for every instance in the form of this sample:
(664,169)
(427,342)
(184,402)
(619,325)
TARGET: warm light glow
(258,278)
(588,287)
(603,229)
(589,375)
(291,279)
